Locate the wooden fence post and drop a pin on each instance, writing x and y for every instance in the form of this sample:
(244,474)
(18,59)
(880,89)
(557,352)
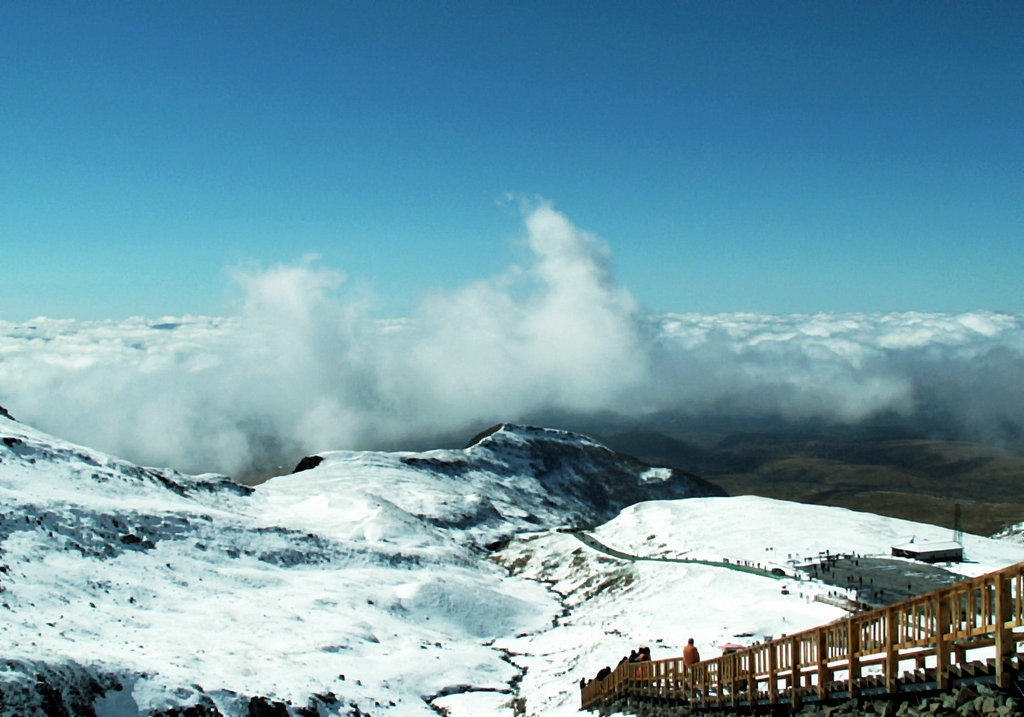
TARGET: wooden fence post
(705,685)
(718,683)
(942,644)
(751,677)
(734,674)
(696,676)
(824,676)
(794,675)
(892,660)
(1005,647)
(853,647)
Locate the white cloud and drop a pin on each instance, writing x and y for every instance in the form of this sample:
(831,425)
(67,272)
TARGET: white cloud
(307,366)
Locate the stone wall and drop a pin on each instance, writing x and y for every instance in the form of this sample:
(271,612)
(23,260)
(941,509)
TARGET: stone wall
(977,701)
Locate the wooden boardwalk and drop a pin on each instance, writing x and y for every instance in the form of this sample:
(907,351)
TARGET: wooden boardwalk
(967,632)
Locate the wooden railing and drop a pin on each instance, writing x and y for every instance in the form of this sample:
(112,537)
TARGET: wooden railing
(927,641)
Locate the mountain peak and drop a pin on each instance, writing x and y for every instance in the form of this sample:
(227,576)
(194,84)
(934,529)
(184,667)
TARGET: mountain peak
(510,478)
(518,431)
(509,434)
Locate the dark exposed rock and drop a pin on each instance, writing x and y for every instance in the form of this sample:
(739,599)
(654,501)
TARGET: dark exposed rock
(206,708)
(316,702)
(308,463)
(5,414)
(51,702)
(990,703)
(54,690)
(484,434)
(262,707)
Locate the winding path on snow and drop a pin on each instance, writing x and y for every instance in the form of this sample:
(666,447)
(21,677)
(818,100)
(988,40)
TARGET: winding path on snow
(593,543)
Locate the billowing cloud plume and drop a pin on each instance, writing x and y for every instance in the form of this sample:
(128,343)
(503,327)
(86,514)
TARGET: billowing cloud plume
(305,366)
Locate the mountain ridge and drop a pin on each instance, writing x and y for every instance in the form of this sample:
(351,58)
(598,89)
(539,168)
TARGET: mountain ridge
(511,477)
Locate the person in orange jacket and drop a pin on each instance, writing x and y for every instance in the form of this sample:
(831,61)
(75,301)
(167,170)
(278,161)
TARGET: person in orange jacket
(690,654)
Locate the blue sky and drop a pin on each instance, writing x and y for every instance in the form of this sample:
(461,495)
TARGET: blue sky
(736,156)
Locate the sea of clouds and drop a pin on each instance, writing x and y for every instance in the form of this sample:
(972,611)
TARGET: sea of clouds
(306,366)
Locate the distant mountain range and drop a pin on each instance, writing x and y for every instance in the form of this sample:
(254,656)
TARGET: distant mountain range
(882,469)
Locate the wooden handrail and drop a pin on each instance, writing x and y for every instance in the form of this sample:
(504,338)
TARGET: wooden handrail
(933,631)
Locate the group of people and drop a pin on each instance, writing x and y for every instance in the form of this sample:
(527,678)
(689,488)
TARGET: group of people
(643,654)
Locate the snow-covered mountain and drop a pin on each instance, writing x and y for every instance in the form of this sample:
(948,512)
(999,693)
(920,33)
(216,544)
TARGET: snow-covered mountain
(380,583)
(510,479)
(361,579)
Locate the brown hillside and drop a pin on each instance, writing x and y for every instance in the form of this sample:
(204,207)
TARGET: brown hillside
(912,478)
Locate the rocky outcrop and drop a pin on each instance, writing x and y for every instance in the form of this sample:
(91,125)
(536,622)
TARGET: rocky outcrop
(574,467)
(967,701)
(40,688)
(308,463)
(68,689)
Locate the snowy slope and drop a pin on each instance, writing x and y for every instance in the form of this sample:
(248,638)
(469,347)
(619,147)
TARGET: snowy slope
(193,582)
(613,606)
(363,585)
(368,566)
